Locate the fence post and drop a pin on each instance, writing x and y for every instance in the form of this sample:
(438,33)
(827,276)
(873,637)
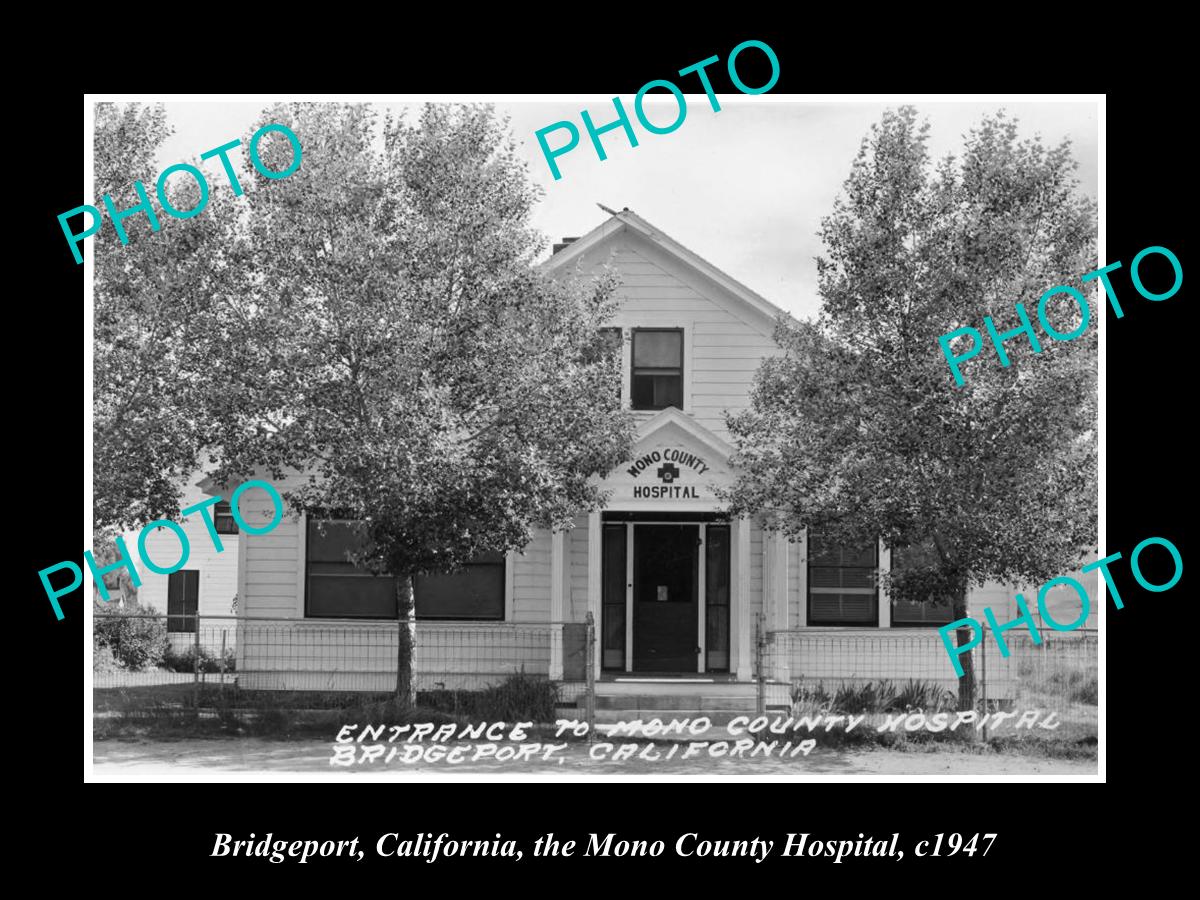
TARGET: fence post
(983,683)
(760,703)
(224,633)
(196,664)
(590,674)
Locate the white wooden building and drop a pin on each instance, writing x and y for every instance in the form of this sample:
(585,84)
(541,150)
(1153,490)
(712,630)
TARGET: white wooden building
(206,585)
(676,588)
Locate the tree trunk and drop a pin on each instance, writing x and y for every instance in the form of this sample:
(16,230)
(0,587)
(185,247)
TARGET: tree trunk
(966,683)
(406,640)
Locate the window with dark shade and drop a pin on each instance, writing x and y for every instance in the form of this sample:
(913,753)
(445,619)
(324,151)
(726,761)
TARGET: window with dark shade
(337,589)
(911,613)
(657,380)
(477,592)
(223,519)
(842,582)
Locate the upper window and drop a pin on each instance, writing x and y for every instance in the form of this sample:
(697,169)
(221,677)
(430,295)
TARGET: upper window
(337,589)
(908,613)
(223,519)
(842,582)
(657,368)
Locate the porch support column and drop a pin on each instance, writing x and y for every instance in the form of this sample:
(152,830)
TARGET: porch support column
(781,609)
(885,600)
(595,536)
(557,601)
(740,599)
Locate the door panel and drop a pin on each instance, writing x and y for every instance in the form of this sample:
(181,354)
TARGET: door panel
(183,599)
(612,615)
(665,576)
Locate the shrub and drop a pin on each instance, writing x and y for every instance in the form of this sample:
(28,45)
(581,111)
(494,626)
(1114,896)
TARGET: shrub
(923,695)
(135,643)
(873,697)
(210,661)
(864,698)
(806,697)
(519,697)
(103,661)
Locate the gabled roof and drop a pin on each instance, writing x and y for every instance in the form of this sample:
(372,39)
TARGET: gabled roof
(627,219)
(686,424)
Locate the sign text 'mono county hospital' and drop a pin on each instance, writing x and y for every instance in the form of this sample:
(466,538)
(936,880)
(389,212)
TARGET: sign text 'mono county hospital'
(622,120)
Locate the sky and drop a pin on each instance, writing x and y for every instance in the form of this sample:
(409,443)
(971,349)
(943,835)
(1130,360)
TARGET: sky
(745,187)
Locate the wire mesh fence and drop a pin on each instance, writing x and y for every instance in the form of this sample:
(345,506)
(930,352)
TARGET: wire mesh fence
(885,672)
(191,660)
(150,663)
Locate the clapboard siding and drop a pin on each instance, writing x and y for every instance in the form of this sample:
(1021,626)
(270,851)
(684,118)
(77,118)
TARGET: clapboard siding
(577,555)
(723,349)
(756,578)
(218,570)
(531,580)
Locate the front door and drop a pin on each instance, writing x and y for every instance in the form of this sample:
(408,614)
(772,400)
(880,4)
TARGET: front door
(665,593)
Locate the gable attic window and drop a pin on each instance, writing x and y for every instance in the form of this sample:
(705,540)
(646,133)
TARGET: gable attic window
(657,379)
(223,519)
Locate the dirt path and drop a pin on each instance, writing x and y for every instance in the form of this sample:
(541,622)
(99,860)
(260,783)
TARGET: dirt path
(213,759)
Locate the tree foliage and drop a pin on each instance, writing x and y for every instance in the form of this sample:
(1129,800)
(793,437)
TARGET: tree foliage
(153,344)
(857,429)
(401,349)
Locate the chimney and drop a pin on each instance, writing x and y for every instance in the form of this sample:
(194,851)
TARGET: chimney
(565,242)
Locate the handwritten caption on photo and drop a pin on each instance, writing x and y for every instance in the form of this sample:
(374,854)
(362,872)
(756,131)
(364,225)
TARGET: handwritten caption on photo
(742,738)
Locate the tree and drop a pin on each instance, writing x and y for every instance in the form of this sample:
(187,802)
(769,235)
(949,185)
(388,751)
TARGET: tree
(153,351)
(858,428)
(406,353)
(118,582)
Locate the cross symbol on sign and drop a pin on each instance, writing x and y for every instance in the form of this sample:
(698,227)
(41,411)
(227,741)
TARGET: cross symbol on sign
(667,472)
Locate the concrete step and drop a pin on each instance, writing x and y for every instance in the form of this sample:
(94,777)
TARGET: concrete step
(672,702)
(717,717)
(676,688)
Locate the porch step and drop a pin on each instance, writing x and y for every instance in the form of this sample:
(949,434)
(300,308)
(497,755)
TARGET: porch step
(719,718)
(674,688)
(673,702)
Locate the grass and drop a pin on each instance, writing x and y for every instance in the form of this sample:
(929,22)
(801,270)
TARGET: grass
(186,710)
(1070,692)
